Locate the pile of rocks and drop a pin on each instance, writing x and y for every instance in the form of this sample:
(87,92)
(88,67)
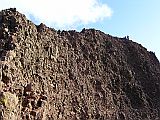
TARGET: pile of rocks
(74,75)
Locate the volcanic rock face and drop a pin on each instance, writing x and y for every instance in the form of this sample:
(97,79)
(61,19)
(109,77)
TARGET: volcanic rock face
(67,75)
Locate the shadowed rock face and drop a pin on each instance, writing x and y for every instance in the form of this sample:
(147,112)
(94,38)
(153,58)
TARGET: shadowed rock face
(69,75)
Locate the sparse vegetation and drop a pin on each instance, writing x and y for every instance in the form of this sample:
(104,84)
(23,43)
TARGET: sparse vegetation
(8,102)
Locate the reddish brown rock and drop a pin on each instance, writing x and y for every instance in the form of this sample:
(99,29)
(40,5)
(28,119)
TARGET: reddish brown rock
(75,75)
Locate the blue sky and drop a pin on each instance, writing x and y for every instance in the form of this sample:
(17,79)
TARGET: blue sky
(140,19)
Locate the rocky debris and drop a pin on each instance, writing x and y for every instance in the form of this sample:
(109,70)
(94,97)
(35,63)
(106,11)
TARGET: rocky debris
(74,75)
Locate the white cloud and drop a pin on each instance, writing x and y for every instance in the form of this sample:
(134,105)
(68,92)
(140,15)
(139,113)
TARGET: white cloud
(61,13)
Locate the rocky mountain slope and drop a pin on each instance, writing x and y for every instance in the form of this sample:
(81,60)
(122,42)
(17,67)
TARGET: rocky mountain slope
(47,74)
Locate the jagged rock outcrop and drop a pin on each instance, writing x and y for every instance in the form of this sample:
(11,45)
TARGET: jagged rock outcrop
(67,75)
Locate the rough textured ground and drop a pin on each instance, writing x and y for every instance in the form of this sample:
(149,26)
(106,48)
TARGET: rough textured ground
(67,75)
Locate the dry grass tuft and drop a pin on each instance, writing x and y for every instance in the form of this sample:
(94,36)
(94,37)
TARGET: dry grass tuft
(10,102)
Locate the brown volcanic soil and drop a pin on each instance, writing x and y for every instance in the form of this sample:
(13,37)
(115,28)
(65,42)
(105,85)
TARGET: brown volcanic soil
(67,75)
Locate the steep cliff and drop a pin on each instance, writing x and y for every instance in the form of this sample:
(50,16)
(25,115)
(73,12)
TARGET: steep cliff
(47,74)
